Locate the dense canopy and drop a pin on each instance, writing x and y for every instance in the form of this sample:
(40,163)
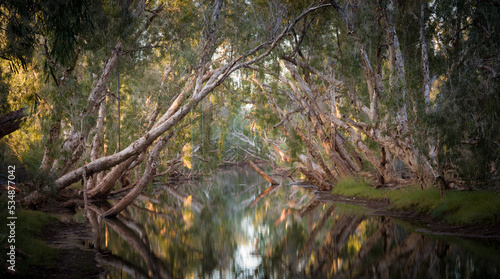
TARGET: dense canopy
(127,91)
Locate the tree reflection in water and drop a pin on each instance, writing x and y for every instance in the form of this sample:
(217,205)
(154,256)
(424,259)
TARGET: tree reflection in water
(233,225)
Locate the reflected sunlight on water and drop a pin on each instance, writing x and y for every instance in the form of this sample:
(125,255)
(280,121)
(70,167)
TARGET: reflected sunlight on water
(233,225)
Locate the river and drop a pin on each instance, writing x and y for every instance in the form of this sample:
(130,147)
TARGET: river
(232,224)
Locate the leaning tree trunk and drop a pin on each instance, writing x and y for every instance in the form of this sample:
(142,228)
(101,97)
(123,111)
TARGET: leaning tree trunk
(263,174)
(104,187)
(404,149)
(144,181)
(11,122)
(204,83)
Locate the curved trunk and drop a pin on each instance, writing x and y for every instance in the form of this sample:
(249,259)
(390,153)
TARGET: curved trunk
(104,187)
(143,182)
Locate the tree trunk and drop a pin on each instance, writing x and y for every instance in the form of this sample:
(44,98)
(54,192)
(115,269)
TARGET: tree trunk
(10,122)
(104,187)
(95,152)
(144,181)
(284,157)
(314,173)
(54,134)
(204,83)
(311,148)
(425,57)
(259,171)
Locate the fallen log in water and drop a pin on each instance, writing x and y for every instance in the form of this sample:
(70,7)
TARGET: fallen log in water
(259,171)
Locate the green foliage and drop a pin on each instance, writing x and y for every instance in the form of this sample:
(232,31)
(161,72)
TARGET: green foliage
(61,23)
(466,110)
(462,120)
(4,93)
(295,144)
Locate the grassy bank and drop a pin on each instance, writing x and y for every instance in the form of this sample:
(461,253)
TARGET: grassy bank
(31,252)
(458,207)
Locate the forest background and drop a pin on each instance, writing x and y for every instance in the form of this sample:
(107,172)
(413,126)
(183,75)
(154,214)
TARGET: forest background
(125,91)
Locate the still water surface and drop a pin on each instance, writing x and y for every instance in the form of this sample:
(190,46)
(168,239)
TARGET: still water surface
(233,225)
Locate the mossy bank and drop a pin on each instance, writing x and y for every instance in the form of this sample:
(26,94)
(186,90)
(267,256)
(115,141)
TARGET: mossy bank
(456,207)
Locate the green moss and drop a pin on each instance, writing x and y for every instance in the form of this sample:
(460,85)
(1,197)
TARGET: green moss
(356,187)
(456,207)
(470,207)
(413,197)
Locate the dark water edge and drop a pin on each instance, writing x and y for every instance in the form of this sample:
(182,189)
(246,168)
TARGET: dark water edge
(234,225)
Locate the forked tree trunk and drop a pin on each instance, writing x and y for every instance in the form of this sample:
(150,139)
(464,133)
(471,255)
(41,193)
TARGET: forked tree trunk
(144,181)
(104,187)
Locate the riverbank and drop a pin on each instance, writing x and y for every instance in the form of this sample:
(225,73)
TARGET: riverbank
(51,241)
(468,214)
(234,192)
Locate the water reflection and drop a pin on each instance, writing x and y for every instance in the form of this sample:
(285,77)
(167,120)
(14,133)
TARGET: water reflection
(233,225)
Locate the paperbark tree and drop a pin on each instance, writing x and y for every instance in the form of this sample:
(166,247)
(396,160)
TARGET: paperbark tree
(318,91)
(201,83)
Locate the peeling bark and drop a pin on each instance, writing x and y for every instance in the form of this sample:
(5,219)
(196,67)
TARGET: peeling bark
(374,85)
(104,187)
(425,57)
(284,157)
(95,152)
